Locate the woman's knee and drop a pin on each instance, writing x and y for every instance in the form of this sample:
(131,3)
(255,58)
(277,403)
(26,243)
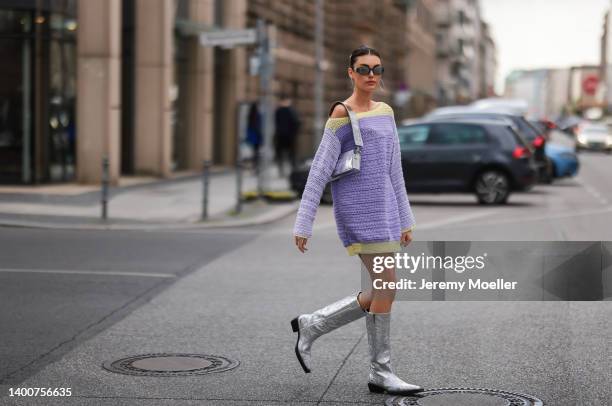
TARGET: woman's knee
(364,299)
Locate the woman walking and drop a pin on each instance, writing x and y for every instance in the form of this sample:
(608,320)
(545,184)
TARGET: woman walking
(373,218)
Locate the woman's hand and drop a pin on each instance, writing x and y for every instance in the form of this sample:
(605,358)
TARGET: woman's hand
(406,238)
(300,242)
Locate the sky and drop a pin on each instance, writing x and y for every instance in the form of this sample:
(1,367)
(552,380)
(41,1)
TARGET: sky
(532,34)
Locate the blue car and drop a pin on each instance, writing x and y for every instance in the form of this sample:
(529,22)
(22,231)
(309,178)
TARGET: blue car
(564,160)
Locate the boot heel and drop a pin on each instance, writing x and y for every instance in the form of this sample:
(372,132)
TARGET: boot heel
(375,388)
(295,326)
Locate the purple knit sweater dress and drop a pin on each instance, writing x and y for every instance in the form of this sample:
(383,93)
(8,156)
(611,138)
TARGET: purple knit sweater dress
(371,207)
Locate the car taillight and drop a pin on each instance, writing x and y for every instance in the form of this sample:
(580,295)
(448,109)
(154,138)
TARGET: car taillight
(521,152)
(538,142)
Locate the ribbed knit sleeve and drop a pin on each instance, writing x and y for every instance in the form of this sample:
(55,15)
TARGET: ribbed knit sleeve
(407,220)
(321,169)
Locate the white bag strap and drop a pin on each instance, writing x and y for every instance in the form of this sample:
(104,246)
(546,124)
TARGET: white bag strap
(353,121)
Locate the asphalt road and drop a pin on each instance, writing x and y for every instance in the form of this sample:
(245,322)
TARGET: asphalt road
(58,288)
(73,300)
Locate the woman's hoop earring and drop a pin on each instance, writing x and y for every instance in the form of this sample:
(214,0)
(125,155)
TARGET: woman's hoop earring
(382,84)
(352,82)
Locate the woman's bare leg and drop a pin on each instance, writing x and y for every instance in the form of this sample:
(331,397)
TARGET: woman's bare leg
(379,300)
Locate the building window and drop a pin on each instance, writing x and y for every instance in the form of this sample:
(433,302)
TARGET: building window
(37,104)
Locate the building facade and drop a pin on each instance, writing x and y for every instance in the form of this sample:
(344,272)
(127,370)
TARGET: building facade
(128,80)
(488,62)
(466,63)
(546,91)
(37,91)
(421,64)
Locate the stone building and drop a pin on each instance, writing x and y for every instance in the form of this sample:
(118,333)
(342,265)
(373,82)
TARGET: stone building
(458,43)
(129,79)
(421,65)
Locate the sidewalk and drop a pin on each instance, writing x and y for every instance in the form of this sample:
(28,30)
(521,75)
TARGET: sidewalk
(144,203)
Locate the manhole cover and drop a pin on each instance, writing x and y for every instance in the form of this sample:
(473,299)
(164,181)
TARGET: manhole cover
(464,397)
(166,364)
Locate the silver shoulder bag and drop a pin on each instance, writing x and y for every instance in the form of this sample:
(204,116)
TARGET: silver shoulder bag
(349,161)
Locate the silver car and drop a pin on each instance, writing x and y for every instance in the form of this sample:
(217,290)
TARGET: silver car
(593,136)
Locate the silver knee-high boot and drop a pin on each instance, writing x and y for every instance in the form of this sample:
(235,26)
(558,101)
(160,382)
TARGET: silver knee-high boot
(311,326)
(382,377)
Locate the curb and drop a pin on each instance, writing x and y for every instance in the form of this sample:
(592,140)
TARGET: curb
(93,196)
(268,216)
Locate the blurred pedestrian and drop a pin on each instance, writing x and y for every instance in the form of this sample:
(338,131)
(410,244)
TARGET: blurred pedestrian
(254,134)
(286,129)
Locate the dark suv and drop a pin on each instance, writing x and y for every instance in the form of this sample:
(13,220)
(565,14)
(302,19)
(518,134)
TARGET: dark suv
(486,157)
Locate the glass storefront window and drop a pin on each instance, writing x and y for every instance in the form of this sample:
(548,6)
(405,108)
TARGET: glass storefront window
(38,91)
(14,95)
(179,90)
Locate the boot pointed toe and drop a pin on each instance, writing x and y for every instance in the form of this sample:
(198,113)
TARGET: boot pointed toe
(382,377)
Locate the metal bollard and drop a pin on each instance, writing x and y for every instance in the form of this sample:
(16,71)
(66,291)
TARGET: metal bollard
(104,194)
(205,181)
(239,168)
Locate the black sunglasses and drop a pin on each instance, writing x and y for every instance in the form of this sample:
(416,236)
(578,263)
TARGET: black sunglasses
(365,70)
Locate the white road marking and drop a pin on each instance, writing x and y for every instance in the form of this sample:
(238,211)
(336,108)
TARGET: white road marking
(542,218)
(456,219)
(88,272)
(593,192)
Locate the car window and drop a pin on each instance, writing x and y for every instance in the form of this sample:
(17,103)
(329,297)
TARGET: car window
(520,139)
(413,136)
(449,134)
(505,135)
(526,129)
(538,126)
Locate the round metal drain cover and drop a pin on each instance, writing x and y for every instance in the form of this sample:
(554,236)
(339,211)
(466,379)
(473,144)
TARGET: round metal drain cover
(168,364)
(464,397)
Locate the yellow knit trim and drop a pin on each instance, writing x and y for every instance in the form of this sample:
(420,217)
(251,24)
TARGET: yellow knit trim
(409,229)
(336,122)
(373,247)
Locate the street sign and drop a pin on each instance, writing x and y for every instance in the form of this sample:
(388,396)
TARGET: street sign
(228,38)
(589,84)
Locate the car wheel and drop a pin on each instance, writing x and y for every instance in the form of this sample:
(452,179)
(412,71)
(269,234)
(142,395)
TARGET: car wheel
(492,187)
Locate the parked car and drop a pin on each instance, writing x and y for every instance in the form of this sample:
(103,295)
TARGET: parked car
(486,157)
(564,160)
(519,107)
(568,124)
(543,126)
(593,136)
(536,140)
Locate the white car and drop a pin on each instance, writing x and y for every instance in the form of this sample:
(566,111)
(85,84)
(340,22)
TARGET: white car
(593,136)
(516,106)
